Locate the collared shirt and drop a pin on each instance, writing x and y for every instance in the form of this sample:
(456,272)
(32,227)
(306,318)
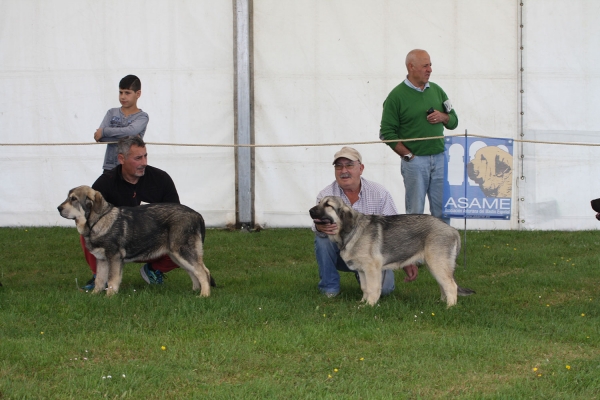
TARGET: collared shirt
(410,85)
(373,198)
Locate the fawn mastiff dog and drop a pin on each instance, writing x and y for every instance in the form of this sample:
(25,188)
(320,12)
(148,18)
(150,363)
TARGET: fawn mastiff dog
(371,243)
(116,235)
(491,169)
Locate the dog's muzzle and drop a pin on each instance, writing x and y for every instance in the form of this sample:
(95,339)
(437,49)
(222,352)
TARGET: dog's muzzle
(318,218)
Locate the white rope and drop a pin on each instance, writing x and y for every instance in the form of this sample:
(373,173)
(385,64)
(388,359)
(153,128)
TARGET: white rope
(301,144)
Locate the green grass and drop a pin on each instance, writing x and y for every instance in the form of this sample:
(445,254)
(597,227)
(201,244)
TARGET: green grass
(266,332)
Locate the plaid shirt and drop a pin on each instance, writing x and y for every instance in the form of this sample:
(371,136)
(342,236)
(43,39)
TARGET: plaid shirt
(373,198)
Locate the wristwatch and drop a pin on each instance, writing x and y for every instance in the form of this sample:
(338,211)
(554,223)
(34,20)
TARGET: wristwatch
(407,157)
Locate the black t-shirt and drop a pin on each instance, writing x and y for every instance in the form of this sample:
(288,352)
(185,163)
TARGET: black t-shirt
(156,186)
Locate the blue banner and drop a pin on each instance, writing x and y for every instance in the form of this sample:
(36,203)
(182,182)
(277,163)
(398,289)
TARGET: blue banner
(478,178)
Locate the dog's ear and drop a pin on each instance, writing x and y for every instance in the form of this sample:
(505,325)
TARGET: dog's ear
(98,203)
(88,204)
(501,166)
(346,218)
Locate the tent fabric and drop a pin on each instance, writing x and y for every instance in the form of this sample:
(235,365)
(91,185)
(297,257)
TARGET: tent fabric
(321,71)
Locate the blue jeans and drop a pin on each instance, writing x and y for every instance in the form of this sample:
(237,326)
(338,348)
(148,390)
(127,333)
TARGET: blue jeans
(424,175)
(330,262)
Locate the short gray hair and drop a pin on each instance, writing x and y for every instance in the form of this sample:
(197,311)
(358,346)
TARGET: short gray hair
(125,144)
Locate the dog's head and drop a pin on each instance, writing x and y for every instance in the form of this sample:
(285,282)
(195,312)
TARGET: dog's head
(332,210)
(80,204)
(491,169)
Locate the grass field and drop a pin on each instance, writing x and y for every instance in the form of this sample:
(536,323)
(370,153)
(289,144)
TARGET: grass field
(532,330)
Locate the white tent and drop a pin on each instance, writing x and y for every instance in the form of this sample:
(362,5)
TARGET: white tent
(320,71)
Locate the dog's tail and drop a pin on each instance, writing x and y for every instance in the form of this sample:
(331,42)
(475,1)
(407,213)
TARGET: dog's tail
(465,291)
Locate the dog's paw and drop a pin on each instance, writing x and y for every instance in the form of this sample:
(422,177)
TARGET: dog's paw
(372,300)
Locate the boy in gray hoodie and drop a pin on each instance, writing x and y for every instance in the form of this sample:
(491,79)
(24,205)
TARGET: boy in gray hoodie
(127,120)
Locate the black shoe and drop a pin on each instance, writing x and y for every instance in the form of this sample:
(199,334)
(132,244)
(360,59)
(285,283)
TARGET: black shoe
(91,284)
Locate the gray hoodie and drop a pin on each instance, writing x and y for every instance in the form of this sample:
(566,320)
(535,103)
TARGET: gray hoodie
(116,125)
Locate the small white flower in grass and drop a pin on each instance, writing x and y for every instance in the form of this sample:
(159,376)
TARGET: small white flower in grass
(109,376)
(103,377)
(123,375)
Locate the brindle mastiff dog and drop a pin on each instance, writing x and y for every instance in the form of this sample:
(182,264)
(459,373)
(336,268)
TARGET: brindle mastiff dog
(371,243)
(116,235)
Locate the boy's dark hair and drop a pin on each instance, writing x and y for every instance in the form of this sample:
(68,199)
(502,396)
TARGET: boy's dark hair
(124,144)
(131,82)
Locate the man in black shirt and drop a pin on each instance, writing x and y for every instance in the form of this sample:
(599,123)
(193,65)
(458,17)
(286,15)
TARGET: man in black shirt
(130,184)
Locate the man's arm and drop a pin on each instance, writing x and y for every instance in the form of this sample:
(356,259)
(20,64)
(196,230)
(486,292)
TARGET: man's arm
(169,194)
(136,127)
(452,121)
(388,207)
(402,150)
(389,129)
(390,125)
(105,122)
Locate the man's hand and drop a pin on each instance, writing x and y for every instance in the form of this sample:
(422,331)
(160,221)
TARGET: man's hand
(328,229)
(98,134)
(437,117)
(412,272)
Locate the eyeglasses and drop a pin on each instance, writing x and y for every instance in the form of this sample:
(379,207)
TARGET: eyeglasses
(348,166)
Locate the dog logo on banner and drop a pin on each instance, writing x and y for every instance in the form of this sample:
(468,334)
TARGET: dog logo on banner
(478,178)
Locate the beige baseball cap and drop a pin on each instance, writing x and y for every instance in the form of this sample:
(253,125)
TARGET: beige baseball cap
(349,153)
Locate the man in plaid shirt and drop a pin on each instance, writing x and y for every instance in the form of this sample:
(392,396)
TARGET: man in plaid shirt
(365,197)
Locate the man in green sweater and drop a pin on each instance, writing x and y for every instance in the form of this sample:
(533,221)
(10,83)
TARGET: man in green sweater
(417,108)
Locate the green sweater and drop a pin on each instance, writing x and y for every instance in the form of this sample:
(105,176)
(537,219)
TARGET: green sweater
(405,117)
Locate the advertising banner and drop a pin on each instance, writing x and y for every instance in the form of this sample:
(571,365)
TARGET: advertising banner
(478,177)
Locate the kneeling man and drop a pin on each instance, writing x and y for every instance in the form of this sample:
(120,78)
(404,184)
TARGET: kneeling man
(365,197)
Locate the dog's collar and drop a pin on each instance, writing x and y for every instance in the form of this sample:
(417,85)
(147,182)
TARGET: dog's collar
(90,227)
(348,238)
